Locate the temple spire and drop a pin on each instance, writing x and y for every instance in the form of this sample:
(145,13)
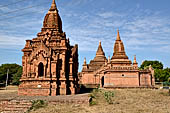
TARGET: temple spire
(108,59)
(84,64)
(53,6)
(85,61)
(52,19)
(134,61)
(118,36)
(119,52)
(100,50)
(135,64)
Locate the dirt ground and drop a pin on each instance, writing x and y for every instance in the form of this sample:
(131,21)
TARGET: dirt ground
(124,101)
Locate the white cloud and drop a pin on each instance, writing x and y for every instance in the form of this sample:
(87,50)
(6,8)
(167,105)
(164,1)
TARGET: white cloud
(138,32)
(7,41)
(110,14)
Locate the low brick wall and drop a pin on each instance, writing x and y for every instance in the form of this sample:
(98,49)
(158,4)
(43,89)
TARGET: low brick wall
(20,104)
(14,106)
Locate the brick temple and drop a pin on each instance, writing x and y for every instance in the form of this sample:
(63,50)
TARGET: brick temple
(117,72)
(50,63)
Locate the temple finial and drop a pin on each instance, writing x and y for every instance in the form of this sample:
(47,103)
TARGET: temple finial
(85,61)
(100,50)
(118,36)
(53,6)
(134,61)
(99,42)
(108,59)
(135,64)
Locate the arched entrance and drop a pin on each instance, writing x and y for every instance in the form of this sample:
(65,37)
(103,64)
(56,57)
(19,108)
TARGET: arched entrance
(40,69)
(102,81)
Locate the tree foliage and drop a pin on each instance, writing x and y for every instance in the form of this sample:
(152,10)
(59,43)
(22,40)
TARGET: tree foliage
(16,77)
(15,72)
(161,75)
(154,64)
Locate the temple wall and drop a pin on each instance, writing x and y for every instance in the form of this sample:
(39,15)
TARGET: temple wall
(87,78)
(33,88)
(145,79)
(121,79)
(118,79)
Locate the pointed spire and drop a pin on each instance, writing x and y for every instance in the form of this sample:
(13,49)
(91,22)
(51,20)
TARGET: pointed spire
(135,64)
(134,61)
(118,36)
(53,6)
(119,50)
(53,19)
(108,59)
(85,61)
(100,50)
(105,62)
(85,66)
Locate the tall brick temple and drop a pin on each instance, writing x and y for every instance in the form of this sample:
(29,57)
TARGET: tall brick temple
(50,63)
(117,72)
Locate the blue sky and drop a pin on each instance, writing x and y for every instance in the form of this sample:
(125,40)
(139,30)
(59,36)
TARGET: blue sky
(144,27)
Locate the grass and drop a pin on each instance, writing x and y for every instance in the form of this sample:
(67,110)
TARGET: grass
(123,101)
(8,89)
(98,95)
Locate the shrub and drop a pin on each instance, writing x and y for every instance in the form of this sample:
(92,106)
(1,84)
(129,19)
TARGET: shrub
(96,96)
(166,83)
(108,96)
(36,104)
(93,96)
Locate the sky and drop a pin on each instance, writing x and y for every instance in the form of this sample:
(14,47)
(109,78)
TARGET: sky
(144,27)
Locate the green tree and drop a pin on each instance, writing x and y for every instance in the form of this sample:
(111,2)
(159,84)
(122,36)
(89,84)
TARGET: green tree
(16,77)
(158,73)
(154,64)
(162,75)
(13,69)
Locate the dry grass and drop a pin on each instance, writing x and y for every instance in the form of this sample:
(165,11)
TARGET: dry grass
(124,101)
(8,89)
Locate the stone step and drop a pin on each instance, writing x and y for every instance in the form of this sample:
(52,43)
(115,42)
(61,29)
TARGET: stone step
(15,109)
(15,106)
(13,112)
(18,106)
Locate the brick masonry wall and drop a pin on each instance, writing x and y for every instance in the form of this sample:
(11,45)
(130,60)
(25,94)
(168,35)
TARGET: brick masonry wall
(14,106)
(126,79)
(21,104)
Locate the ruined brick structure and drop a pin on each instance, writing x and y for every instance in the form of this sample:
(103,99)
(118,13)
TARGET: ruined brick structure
(118,71)
(50,63)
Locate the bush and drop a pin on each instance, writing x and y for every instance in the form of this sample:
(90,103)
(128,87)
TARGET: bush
(92,102)
(93,96)
(97,95)
(36,104)
(108,96)
(166,83)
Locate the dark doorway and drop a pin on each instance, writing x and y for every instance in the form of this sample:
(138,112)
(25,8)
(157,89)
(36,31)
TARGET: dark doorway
(102,81)
(40,69)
